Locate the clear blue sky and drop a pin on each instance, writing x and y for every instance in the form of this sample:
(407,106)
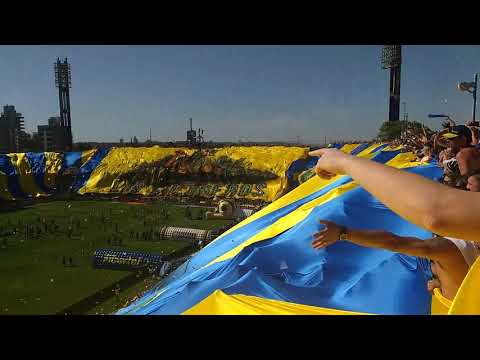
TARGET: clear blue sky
(251,92)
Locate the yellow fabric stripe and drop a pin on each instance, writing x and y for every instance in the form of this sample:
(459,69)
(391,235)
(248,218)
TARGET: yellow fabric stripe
(305,189)
(287,221)
(25,175)
(403,160)
(314,184)
(348,148)
(440,304)
(53,164)
(369,149)
(123,160)
(261,156)
(298,193)
(392,148)
(219,303)
(294,217)
(467,300)
(274,160)
(86,155)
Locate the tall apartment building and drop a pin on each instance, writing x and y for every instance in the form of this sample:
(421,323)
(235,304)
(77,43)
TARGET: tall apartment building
(54,136)
(12,130)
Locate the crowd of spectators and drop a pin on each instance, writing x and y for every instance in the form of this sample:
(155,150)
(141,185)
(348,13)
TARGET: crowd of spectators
(455,148)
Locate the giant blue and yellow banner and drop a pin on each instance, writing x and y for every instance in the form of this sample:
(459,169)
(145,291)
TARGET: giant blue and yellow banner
(237,172)
(36,174)
(266,264)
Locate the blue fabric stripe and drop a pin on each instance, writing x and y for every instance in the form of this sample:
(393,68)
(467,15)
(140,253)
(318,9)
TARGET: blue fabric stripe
(87,168)
(72,158)
(343,276)
(385,156)
(37,165)
(235,238)
(359,149)
(300,165)
(379,148)
(336,146)
(327,278)
(239,235)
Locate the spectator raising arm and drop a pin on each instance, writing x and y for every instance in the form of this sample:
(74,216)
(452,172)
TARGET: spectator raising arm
(430,205)
(433,249)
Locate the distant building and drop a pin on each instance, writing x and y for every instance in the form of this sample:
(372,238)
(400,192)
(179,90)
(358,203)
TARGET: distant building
(12,132)
(54,136)
(191,135)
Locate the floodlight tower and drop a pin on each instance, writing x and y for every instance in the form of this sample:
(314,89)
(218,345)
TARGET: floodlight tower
(392,59)
(63,81)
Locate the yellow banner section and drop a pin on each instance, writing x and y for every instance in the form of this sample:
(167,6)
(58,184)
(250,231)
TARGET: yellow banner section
(119,170)
(219,303)
(401,160)
(348,148)
(467,300)
(296,194)
(86,155)
(287,221)
(53,165)
(257,172)
(440,304)
(25,174)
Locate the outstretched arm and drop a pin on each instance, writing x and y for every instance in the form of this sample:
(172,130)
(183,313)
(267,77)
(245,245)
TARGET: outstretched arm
(428,204)
(434,249)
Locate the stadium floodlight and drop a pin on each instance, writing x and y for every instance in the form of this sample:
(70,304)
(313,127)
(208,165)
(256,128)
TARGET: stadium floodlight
(391,56)
(471,88)
(392,59)
(63,81)
(63,74)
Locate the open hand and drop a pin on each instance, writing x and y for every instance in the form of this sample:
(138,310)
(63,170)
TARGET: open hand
(327,236)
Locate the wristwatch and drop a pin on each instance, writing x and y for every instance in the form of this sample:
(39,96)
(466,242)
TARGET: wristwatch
(343,233)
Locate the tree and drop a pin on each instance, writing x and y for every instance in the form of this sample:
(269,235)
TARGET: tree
(391,130)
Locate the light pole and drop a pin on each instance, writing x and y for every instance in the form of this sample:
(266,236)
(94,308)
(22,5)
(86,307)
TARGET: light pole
(405,122)
(392,59)
(470,87)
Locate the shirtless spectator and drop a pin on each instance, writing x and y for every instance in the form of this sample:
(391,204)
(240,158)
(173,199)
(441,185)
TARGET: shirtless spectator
(473,183)
(474,128)
(467,156)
